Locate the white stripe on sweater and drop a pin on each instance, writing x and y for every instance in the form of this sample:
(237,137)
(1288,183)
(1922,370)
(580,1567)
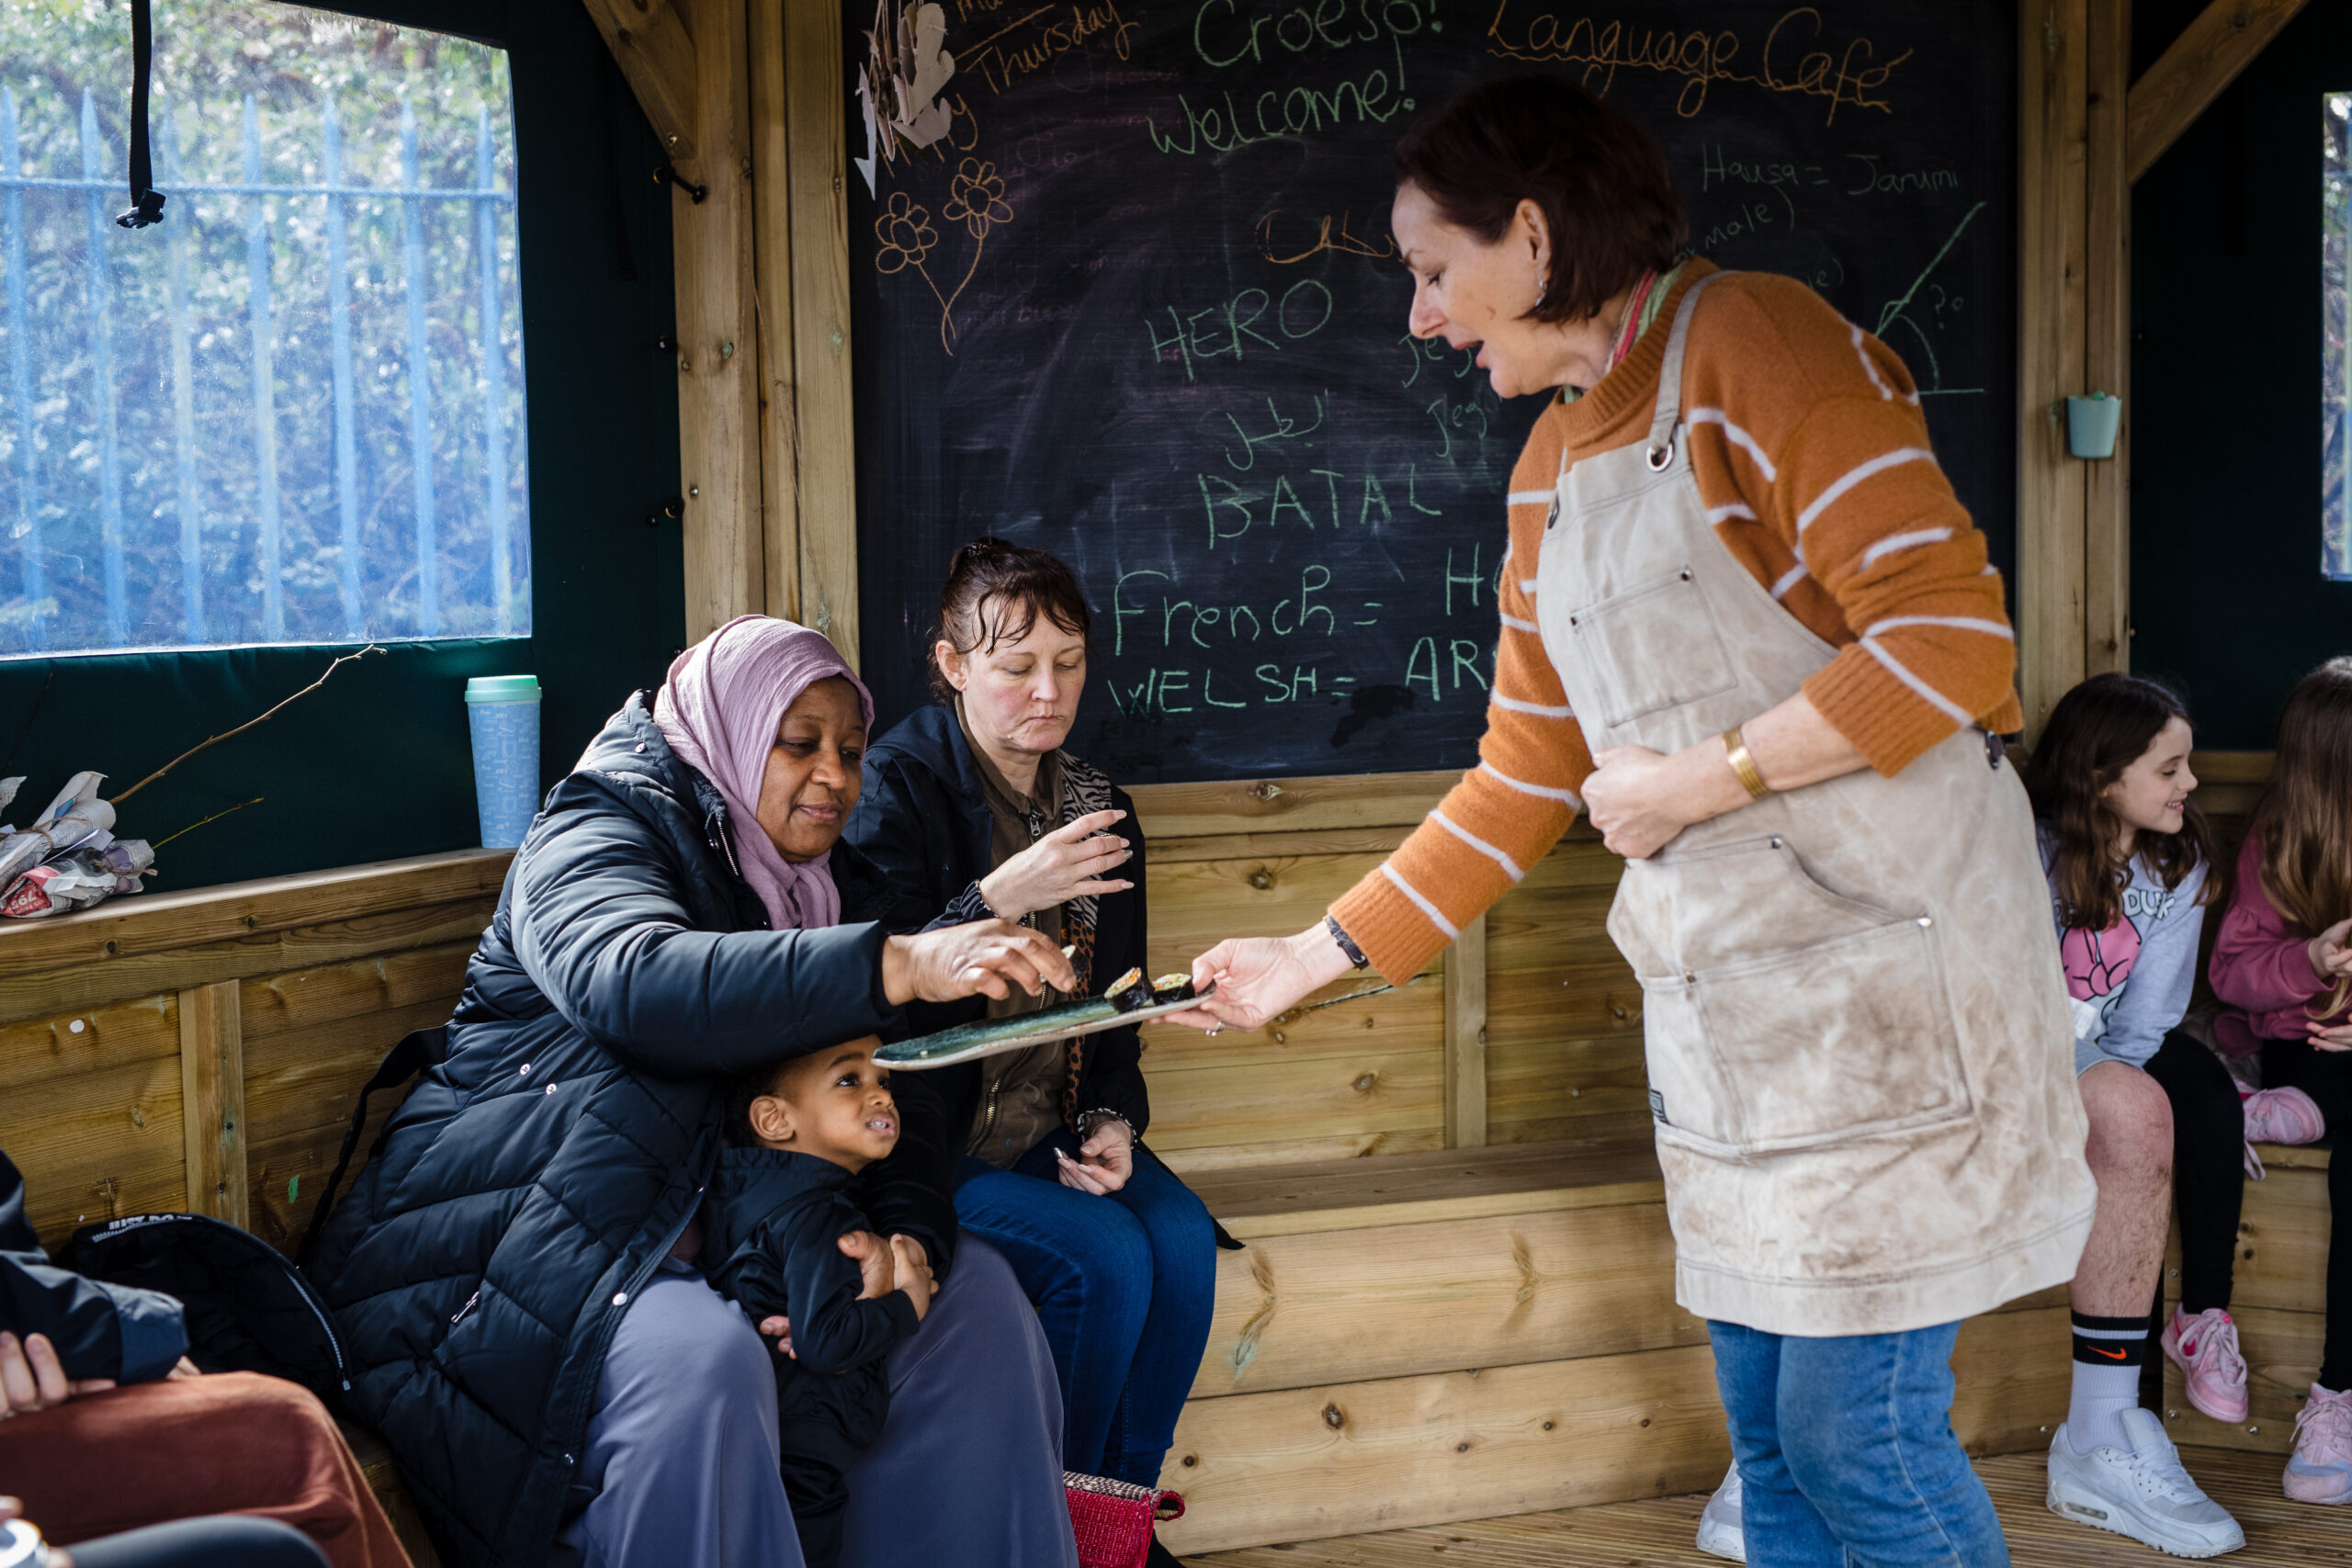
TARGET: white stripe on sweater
(1868,369)
(1515,624)
(1856,475)
(1738,438)
(1511,866)
(1728,511)
(1532,497)
(1944,705)
(1959,623)
(1894,543)
(1426,907)
(1544,792)
(1787,579)
(1512,704)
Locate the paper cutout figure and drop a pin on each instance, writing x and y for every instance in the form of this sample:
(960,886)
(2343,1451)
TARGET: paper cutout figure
(898,93)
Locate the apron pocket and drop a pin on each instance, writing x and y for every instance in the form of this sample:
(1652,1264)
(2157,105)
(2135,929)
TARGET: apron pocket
(1655,646)
(1840,1029)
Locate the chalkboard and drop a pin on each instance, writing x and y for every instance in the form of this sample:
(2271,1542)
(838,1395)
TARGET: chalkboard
(1143,310)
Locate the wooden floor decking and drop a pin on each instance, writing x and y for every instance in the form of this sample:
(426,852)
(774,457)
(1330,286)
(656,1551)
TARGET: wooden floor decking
(1657,1533)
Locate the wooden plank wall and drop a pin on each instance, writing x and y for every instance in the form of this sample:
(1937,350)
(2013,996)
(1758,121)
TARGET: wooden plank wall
(201,1050)
(1528,1030)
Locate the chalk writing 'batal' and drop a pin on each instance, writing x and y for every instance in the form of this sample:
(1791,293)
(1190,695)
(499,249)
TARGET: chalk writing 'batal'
(1793,57)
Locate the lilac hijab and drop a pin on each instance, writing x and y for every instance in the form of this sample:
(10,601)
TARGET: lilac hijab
(718,711)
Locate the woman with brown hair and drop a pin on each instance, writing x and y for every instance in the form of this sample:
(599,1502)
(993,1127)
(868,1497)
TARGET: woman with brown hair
(974,811)
(2282,967)
(1749,628)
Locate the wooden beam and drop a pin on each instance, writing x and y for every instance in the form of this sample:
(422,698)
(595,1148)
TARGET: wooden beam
(772,272)
(819,199)
(1465,1038)
(212,1099)
(1259,805)
(719,444)
(2107,298)
(2206,58)
(658,58)
(2050,348)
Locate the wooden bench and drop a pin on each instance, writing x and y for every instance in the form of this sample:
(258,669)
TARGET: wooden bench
(1464,1333)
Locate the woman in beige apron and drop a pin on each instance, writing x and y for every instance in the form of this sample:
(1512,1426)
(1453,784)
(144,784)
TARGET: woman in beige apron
(1858,1039)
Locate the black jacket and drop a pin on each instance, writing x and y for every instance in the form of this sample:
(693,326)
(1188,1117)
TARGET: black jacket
(773,1221)
(99,1330)
(530,1184)
(924,820)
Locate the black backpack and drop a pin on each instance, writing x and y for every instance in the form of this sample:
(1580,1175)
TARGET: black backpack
(247,1308)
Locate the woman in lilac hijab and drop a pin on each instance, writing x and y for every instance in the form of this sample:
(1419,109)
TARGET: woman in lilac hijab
(514,1270)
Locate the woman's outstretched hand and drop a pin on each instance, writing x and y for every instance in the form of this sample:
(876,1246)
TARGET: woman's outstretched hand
(1068,863)
(986,958)
(1259,978)
(1104,1161)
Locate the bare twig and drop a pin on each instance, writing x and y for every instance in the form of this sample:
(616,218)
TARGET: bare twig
(214,818)
(215,739)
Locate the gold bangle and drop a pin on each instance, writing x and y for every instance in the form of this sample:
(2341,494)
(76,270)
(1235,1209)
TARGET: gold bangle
(1736,748)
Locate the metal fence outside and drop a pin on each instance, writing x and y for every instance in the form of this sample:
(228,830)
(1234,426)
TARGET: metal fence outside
(234,570)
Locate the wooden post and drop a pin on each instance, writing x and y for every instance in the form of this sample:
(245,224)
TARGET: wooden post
(212,1099)
(772,270)
(2050,348)
(2107,292)
(719,445)
(2220,42)
(1465,1038)
(819,174)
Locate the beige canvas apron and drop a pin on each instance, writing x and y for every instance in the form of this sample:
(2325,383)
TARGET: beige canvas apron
(1860,1059)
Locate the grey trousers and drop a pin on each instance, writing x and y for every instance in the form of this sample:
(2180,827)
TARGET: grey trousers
(682,1448)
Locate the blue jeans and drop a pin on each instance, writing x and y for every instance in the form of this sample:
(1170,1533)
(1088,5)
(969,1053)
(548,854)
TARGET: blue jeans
(1845,1451)
(1123,1285)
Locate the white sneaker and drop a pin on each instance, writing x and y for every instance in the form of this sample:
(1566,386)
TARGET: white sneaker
(2145,1493)
(1719,1531)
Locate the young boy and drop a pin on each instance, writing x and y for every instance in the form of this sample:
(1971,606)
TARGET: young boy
(778,1208)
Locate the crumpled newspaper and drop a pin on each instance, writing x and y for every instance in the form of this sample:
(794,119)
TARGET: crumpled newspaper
(68,857)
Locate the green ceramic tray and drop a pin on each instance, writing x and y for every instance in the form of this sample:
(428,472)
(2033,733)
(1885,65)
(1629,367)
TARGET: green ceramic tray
(971,1041)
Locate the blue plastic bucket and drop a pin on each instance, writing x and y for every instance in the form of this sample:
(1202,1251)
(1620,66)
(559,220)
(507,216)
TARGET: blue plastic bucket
(504,713)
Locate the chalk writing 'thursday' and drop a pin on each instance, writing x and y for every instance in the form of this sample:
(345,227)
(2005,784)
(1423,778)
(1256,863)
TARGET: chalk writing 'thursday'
(1792,57)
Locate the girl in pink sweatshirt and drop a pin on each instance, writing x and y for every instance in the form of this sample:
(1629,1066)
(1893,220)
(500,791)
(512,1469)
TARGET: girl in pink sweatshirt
(2282,968)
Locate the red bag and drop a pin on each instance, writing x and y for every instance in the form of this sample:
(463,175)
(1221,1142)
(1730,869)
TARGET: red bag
(1113,1519)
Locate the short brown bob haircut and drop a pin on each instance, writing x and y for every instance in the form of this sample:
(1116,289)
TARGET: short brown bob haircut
(1602,185)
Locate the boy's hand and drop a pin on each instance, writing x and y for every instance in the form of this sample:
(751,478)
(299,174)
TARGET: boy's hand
(914,1273)
(875,1263)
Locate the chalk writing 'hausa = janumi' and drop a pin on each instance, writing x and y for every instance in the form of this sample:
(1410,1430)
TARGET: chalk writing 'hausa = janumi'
(1852,77)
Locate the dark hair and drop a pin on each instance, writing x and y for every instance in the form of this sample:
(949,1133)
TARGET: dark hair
(995,592)
(2100,729)
(1602,185)
(736,1094)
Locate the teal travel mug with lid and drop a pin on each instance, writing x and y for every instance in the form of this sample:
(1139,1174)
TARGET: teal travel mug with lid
(504,713)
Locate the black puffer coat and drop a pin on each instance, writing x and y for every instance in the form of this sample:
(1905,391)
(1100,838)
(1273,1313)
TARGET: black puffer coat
(531,1183)
(923,819)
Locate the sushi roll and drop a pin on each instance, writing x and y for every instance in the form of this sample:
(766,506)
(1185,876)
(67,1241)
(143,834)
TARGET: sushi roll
(1128,992)
(1172,988)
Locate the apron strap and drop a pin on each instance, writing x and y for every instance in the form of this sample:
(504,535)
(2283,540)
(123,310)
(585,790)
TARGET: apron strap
(1669,375)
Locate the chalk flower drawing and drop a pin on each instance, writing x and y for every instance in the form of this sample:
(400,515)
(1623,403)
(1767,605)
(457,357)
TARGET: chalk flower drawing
(905,233)
(976,199)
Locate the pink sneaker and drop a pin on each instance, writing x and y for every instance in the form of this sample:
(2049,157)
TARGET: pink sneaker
(2282,1116)
(2321,1471)
(2205,1349)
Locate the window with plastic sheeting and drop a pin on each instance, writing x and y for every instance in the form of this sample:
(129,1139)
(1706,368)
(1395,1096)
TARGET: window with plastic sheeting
(293,410)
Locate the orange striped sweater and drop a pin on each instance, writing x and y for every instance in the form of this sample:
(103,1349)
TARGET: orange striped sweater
(1802,427)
